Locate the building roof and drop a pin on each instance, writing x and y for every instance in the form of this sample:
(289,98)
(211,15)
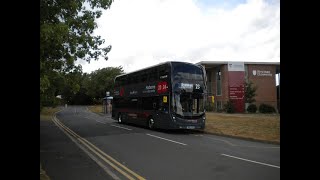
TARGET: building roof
(245,62)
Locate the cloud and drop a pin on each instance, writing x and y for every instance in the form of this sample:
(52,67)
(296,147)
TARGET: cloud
(146,32)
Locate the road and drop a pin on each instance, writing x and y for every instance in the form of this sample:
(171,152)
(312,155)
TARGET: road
(79,144)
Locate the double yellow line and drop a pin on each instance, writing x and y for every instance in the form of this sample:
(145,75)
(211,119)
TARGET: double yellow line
(105,157)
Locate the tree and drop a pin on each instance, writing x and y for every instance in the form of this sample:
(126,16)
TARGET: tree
(100,81)
(66,34)
(250,92)
(72,84)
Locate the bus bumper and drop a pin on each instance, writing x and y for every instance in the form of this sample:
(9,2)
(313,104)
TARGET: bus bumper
(179,123)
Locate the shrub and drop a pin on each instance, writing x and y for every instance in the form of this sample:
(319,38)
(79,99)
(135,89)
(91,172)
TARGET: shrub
(229,107)
(250,92)
(252,108)
(220,110)
(265,108)
(209,107)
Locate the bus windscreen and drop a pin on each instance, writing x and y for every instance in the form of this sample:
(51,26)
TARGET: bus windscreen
(188,90)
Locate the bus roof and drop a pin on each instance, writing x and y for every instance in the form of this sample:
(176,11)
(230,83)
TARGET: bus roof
(167,62)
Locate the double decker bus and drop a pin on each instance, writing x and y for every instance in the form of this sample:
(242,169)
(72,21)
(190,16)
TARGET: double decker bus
(169,95)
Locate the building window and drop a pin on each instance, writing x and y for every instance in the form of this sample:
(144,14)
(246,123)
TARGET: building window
(219,79)
(209,83)
(246,72)
(218,105)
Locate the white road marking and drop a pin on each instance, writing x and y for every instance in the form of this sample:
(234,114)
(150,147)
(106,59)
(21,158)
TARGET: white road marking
(121,127)
(225,141)
(231,144)
(251,161)
(106,158)
(167,139)
(94,119)
(266,147)
(105,168)
(101,122)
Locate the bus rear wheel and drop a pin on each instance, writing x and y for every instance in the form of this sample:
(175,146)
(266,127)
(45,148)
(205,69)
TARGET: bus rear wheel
(119,118)
(151,123)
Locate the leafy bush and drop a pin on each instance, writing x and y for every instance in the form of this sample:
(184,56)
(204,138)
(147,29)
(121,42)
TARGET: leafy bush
(265,108)
(250,92)
(209,106)
(220,110)
(252,108)
(229,107)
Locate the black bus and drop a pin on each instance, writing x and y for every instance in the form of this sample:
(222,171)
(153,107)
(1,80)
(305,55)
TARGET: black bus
(170,95)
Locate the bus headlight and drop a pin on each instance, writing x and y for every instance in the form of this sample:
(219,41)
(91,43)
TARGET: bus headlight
(174,118)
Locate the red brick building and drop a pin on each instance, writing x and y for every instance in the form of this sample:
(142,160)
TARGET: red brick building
(226,81)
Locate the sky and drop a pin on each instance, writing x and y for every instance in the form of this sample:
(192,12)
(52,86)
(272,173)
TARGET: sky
(147,32)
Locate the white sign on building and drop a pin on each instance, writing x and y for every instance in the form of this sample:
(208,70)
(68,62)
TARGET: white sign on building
(235,66)
(261,73)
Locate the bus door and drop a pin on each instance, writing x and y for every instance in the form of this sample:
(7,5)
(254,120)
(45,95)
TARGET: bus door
(162,110)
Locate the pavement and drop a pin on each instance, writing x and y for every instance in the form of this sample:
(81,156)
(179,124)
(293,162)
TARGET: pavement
(59,156)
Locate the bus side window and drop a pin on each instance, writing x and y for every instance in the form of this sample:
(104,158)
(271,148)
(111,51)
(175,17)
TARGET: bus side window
(153,74)
(116,82)
(135,78)
(143,77)
(147,103)
(128,80)
(138,77)
(123,80)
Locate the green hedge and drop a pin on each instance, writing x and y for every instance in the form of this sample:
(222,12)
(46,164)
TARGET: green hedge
(252,108)
(229,107)
(266,108)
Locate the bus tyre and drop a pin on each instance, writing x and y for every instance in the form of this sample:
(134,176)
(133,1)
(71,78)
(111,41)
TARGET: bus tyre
(151,123)
(119,118)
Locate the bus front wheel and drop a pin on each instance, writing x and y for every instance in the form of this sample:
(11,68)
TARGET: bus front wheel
(151,123)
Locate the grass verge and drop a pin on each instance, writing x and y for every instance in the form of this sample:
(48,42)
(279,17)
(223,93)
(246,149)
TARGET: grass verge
(43,175)
(47,113)
(96,108)
(263,127)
